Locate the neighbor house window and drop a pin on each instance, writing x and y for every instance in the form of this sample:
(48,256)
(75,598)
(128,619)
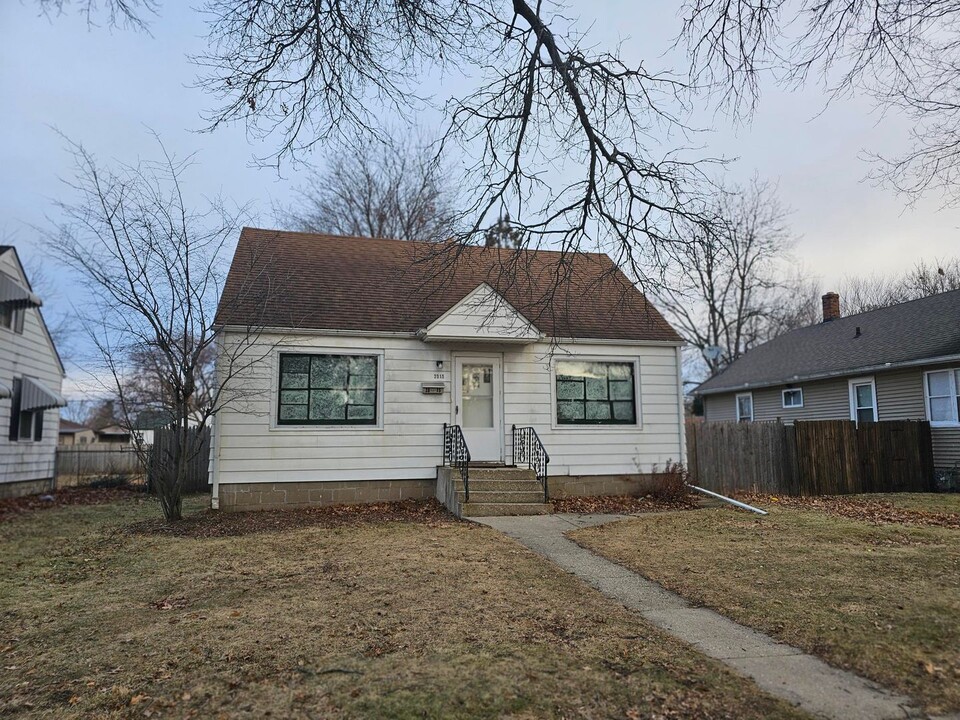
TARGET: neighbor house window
(745,407)
(863,400)
(593,392)
(10,318)
(327,390)
(25,425)
(943,397)
(793,398)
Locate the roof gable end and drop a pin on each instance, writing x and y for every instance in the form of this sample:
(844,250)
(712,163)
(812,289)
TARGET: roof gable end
(482,315)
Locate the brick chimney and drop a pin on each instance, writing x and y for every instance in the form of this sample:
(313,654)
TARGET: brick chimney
(831,306)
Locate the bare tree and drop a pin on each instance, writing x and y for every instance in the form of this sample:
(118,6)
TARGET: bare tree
(327,72)
(127,13)
(394,188)
(728,285)
(153,267)
(903,54)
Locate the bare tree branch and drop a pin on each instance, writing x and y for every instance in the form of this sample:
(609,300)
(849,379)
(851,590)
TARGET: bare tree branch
(395,188)
(152,267)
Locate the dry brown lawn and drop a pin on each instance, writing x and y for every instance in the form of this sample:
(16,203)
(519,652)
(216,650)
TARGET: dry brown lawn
(428,618)
(877,597)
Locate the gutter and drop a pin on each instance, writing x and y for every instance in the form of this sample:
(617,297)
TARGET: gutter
(279,330)
(832,374)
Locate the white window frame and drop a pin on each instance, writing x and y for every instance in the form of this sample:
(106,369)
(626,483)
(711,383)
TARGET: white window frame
(783,398)
(379,353)
(851,389)
(594,428)
(736,406)
(955,386)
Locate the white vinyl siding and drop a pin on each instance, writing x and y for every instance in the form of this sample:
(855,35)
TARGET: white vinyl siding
(251,448)
(28,353)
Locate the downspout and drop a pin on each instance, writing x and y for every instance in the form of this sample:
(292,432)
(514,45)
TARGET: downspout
(680,408)
(726,499)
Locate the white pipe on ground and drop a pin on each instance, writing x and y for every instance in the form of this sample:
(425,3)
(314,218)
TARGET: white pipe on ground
(739,504)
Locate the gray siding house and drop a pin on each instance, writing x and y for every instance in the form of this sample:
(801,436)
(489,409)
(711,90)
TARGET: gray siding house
(895,363)
(31,376)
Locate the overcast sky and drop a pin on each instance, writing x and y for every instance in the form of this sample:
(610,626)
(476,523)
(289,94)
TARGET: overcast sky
(106,88)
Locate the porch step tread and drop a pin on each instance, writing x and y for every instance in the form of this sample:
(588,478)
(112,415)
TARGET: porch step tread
(503,473)
(500,485)
(475,509)
(501,496)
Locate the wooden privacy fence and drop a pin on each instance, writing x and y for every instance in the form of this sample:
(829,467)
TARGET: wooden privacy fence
(166,445)
(822,457)
(80,464)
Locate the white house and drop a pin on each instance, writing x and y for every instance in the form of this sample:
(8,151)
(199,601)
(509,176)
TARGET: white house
(373,362)
(31,376)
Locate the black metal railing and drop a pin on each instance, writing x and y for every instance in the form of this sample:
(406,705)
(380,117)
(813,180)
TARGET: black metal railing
(529,451)
(456,454)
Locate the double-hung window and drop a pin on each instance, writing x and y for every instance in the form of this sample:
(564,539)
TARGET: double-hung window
(596,392)
(942,388)
(793,398)
(25,425)
(745,407)
(11,318)
(327,389)
(863,400)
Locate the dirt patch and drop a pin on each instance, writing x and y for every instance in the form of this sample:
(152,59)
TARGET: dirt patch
(621,504)
(214,523)
(15,507)
(871,511)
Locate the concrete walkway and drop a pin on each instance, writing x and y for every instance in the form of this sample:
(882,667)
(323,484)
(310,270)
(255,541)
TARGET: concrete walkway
(777,668)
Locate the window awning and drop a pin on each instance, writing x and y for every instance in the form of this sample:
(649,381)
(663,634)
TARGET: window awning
(15,294)
(5,391)
(34,395)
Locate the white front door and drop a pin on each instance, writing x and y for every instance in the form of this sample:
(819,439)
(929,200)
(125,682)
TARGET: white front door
(479,407)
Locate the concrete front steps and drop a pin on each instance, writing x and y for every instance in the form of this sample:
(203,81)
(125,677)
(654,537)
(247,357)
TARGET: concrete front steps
(493,491)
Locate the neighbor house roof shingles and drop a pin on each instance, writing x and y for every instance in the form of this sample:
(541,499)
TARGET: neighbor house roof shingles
(345,283)
(909,332)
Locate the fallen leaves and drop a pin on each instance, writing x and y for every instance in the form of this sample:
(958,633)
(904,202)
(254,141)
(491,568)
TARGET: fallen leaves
(620,504)
(215,523)
(14,507)
(872,511)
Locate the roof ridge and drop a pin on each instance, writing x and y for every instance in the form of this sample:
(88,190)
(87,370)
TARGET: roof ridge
(367,238)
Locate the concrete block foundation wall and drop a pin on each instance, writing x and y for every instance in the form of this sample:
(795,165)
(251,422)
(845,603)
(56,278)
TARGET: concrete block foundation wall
(25,487)
(275,496)
(593,485)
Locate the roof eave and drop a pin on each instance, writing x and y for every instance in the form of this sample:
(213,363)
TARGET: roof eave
(828,375)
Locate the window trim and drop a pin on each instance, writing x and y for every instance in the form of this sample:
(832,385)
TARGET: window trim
(597,427)
(955,384)
(852,383)
(341,428)
(783,398)
(736,406)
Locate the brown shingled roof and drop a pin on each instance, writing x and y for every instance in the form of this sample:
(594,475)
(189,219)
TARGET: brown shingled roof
(310,281)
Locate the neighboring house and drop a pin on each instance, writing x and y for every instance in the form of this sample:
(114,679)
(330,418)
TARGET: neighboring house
(896,363)
(31,377)
(149,421)
(370,347)
(113,435)
(72,433)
